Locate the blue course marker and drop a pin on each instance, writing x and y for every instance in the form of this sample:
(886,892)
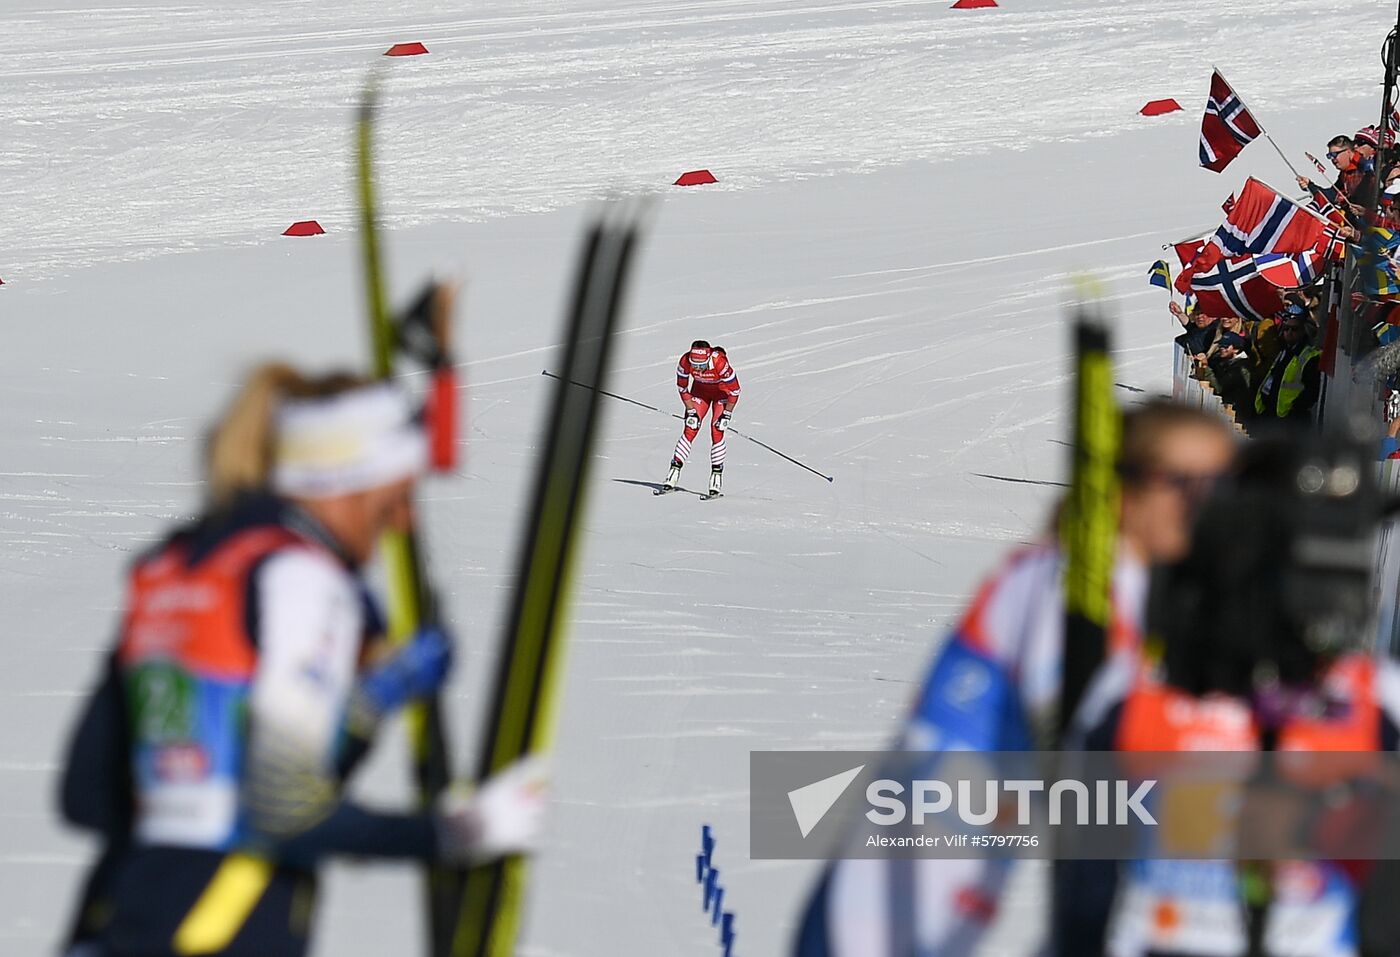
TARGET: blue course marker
(712,899)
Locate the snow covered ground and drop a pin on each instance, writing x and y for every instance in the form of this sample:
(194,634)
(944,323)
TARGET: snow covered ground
(884,268)
(143,128)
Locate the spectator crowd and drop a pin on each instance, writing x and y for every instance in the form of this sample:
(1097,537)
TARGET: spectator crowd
(1268,371)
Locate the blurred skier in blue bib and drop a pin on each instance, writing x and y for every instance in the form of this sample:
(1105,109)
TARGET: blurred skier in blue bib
(1261,643)
(1008,649)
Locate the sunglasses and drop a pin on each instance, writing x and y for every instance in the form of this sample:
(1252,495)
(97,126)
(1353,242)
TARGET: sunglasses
(1193,486)
(1333,154)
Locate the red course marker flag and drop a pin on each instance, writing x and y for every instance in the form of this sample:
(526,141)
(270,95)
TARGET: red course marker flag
(307,227)
(698,177)
(406,49)
(973,4)
(1158,107)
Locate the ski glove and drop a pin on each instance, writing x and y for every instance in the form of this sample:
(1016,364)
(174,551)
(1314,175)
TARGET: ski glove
(722,422)
(504,816)
(415,670)
(692,419)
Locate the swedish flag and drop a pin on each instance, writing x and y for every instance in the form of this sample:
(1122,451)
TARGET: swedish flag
(1379,275)
(1385,333)
(1160,274)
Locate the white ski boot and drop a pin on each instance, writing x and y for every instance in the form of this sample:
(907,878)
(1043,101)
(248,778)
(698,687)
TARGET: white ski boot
(671,482)
(716,483)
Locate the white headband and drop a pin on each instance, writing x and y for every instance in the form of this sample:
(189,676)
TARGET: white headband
(350,442)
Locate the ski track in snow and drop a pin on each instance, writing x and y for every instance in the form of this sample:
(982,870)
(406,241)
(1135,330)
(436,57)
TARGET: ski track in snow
(895,325)
(139,131)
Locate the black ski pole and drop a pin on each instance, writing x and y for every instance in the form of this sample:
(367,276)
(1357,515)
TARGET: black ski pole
(742,435)
(781,455)
(610,395)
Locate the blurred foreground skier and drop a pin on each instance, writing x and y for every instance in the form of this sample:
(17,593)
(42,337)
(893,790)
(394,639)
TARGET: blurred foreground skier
(1262,642)
(247,681)
(708,385)
(995,684)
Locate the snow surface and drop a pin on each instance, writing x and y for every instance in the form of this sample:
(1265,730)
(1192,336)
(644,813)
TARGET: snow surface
(885,271)
(159,126)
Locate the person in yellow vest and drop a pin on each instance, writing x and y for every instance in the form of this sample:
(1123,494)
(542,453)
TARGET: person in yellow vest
(1290,388)
(1265,341)
(247,678)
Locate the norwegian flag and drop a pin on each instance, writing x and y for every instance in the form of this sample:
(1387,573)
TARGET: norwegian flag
(1228,205)
(1188,250)
(1227,126)
(1323,201)
(1262,221)
(1235,287)
(1291,270)
(1332,247)
(1307,267)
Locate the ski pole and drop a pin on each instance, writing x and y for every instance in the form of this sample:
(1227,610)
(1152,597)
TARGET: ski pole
(781,455)
(610,395)
(623,398)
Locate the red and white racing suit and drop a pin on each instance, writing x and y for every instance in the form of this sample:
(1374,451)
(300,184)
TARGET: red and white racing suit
(711,390)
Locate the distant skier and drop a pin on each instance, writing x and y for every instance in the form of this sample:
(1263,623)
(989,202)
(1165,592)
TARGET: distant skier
(708,385)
